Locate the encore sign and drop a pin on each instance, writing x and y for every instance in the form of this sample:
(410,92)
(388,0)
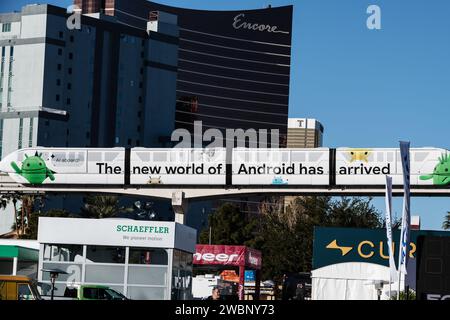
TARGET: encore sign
(239,23)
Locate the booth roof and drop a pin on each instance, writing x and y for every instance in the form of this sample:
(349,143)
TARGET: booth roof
(8,251)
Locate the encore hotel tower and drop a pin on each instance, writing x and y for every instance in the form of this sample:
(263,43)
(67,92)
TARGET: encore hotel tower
(233,66)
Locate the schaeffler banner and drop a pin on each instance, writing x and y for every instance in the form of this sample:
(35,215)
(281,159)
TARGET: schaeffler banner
(406,218)
(393,270)
(227,255)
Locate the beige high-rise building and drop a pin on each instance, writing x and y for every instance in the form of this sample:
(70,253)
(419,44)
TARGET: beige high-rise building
(303,133)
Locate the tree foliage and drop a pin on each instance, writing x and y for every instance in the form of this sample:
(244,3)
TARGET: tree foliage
(230,226)
(100,207)
(31,230)
(21,213)
(446,223)
(285,235)
(410,295)
(288,243)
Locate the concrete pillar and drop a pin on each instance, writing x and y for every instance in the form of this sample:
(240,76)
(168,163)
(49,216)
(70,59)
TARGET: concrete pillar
(257,284)
(241,282)
(14,266)
(179,204)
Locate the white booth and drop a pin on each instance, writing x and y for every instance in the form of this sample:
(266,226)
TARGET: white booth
(144,260)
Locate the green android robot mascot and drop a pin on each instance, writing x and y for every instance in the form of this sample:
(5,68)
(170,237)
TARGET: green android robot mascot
(34,169)
(441,173)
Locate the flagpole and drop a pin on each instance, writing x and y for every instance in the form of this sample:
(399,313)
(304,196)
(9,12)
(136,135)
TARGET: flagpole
(406,215)
(390,244)
(390,282)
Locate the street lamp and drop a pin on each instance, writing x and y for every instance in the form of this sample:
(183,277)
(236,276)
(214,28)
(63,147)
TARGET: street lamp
(54,273)
(145,211)
(378,284)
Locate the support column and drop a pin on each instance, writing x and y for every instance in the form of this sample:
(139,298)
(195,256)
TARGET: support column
(14,266)
(241,282)
(179,204)
(257,284)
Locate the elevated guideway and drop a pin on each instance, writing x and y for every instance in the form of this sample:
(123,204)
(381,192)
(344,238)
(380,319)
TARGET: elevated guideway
(199,192)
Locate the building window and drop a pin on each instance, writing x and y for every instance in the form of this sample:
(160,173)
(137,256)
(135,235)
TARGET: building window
(88,135)
(70,56)
(68,101)
(47,123)
(57,97)
(61,35)
(148,256)
(71,38)
(140,99)
(59,52)
(30,134)
(105,254)
(20,133)
(138,128)
(141,85)
(58,82)
(10,76)
(69,70)
(1,137)
(6,27)
(63,252)
(129,142)
(59,66)
(69,86)
(139,114)
(2,70)
(138,143)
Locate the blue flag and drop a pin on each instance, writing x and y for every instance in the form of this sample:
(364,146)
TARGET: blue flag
(406,216)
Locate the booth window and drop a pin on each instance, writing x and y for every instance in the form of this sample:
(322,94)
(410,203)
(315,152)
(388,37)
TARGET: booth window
(6,266)
(148,256)
(63,252)
(105,254)
(181,275)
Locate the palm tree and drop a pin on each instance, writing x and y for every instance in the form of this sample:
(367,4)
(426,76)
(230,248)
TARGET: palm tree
(5,199)
(446,223)
(27,208)
(102,207)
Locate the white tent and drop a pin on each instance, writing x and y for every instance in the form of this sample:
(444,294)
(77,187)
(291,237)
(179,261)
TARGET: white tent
(350,281)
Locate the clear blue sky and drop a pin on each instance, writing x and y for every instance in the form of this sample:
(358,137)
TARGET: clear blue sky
(369,88)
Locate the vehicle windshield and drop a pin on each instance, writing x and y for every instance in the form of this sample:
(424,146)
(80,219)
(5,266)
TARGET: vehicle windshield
(115,295)
(27,291)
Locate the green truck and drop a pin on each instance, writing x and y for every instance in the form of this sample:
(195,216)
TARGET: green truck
(92,292)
